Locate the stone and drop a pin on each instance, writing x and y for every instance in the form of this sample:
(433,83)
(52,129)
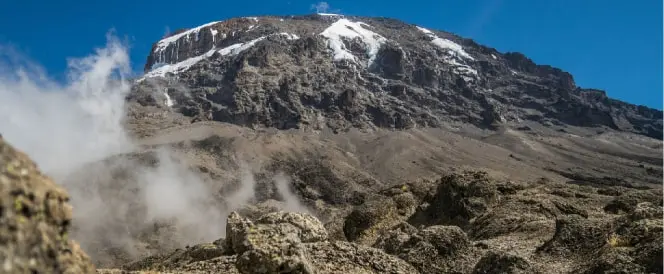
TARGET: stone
(35,219)
(501,262)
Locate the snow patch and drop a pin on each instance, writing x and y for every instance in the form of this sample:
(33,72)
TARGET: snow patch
(467,78)
(455,56)
(344,28)
(461,68)
(493,56)
(251,27)
(239,47)
(251,18)
(157,65)
(178,67)
(290,36)
(214,34)
(446,44)
(426,31)
(329,14)
(168,102)
(164,43)
(163,69)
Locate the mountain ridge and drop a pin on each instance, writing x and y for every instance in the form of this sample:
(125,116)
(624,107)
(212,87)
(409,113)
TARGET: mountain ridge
(492,87)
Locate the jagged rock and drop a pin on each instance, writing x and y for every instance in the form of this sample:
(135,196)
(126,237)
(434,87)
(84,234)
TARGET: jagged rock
(315,178)
(365,223)
(434,249)
(274,243)
(501,262)
(627,202)
(35,218)
(310,228)
(396,238)
(277,242)
(448,240)
(407,197)
(646,210)
(576,236)
(566,207)
(297,243)
(180,258)
(510,217)
(643,232)
(344,257)
(459,198)
(613,261)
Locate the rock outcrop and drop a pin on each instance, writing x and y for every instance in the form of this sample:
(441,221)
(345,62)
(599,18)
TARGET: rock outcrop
(522,228)
(277,242)
(35,217)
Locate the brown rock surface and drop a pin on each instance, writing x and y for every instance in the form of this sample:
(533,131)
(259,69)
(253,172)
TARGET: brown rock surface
(35,216)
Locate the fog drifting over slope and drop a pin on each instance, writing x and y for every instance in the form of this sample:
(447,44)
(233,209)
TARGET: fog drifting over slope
(71,129)
(62,126)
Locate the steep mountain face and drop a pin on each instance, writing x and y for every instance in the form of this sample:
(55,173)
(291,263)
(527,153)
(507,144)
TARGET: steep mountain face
(340,72)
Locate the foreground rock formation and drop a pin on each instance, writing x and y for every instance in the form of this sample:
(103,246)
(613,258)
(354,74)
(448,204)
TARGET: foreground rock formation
(277,242)
(463,223)
(35,216)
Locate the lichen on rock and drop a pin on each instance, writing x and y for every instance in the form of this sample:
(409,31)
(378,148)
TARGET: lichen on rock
(35,219)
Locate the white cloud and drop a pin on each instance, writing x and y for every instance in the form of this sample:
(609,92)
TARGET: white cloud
(167,31)
(71,129)
(320,7)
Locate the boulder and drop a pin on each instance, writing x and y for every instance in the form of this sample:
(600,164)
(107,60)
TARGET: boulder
(282,242)
(459,198)
(576,236)
(435,249)
(501,262)
(627,202)
(366,222)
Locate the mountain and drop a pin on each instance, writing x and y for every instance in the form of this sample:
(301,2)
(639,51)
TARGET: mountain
(340,72)
(338,144)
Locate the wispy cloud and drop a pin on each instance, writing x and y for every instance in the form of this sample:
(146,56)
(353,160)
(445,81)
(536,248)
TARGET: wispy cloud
(323,7)
(75,132)
(167,31)
(320,6)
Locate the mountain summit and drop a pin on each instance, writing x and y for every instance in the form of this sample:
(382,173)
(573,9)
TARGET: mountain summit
(340,72)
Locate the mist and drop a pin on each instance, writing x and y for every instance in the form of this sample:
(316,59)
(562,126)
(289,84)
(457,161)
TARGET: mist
(75,133)
(291,201)
(62,126)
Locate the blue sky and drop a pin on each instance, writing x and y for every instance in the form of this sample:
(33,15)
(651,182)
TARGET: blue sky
(607,44)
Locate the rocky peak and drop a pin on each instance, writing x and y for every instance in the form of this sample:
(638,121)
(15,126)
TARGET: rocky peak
(520,62)
(340,72)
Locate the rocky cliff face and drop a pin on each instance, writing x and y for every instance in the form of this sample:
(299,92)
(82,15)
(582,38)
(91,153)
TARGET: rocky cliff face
(341,72)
